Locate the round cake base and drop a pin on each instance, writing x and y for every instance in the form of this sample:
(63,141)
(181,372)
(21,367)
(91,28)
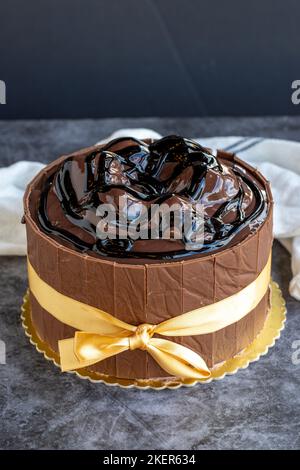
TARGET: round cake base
(274,324)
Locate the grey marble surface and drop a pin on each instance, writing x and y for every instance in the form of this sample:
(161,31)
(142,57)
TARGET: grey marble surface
(43,409)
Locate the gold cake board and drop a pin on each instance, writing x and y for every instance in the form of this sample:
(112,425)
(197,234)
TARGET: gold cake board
(274,324)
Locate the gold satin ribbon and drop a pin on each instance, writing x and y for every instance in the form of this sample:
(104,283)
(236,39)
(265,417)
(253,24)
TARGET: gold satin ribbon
(102,335)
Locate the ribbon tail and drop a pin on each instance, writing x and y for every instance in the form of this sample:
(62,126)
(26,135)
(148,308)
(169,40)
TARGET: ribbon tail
(178,360)
(68,358)
(86,349)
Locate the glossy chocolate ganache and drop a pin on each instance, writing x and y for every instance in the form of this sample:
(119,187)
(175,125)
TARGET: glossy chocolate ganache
(170,170)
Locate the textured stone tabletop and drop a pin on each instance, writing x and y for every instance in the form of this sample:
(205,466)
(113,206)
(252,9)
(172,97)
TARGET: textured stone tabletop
(41,408)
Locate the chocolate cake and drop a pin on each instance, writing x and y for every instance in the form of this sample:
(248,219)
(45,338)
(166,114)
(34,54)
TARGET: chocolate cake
(146,281)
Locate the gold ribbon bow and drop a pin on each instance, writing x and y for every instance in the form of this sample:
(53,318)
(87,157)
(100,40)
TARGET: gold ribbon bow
(88,348)
(102,335)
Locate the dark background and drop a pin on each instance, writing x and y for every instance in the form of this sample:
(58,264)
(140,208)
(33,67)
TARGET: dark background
(105,58)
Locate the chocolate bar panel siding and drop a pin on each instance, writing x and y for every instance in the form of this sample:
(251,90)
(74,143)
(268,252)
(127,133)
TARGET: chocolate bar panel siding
(149,293)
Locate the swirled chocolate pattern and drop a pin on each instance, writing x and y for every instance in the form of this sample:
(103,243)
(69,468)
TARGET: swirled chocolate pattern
(170,170)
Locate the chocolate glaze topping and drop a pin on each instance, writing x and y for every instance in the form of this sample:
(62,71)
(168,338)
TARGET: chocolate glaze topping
(170,170)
